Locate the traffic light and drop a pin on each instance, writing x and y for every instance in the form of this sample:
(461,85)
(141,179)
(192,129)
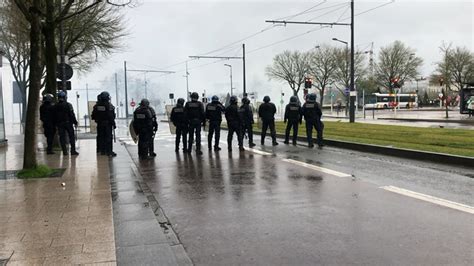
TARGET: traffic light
(308,83)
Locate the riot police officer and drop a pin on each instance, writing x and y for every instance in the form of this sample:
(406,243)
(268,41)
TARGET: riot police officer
(103,114)
(143,126)
(246,116)
(214,112)
(180,121)
(47,117)
(65,119)
(234,124)
(155,128)
(292,118)
(267,112)
(196,117)
(312,115)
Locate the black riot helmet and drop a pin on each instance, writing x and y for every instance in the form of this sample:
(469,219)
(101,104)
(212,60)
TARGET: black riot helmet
(245,100)
(194,96)
(145,102)
(312,98)
(266,99)
(233,100)
(215,99)
(180,102)
(62,96)
(293,99)
(48,98)
(104,96)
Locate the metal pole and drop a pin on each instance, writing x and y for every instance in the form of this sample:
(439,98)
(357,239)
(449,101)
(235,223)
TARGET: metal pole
(187,82)
(126,92)
(87,104)
(116,94)
(352,98)
(363,101)
(243,60)
(61,50)
(77,106)
(231,86)
(146,93)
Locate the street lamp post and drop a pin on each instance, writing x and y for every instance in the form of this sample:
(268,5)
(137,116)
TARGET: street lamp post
(347,66)
(231,86)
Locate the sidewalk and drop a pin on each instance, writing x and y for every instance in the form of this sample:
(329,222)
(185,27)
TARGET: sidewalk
(102,216)
(44,223)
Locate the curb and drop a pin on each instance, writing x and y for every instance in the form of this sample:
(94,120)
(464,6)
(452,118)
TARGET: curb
(396,152)
(468,122)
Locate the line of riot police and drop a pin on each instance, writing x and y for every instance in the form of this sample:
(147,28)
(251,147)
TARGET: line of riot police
(188,119)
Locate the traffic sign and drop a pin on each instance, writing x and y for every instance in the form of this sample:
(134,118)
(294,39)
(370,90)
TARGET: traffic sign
(132,103)
(59,85)
(346,91)
(68,72)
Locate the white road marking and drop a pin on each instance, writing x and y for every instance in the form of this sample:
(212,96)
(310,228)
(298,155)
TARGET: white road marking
(317,168)
(258,151)
(428,198)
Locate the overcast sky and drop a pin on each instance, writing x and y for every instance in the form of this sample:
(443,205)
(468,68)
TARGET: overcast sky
(163,33)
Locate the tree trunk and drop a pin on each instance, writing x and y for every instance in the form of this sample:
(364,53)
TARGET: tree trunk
(51,51)
(30,145)
(321,95)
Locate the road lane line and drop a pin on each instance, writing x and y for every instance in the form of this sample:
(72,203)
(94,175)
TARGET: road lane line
(317,168)
(258,151)
(431,199)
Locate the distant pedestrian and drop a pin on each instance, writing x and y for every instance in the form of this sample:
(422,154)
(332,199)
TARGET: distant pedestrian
(293,118)
(267,112)
(47,110)
(65,121)
(234,124)
(143,126)
(103,114)
(151,147)
(196,117)
(470,106)
(214,111)
(312,114)
(246,116)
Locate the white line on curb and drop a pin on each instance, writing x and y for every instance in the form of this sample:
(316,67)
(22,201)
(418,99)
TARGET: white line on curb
(314,167)
(431,199)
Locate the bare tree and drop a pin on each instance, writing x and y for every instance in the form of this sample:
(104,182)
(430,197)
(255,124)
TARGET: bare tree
(342,74)
(322,65)
(396,61)
(43,17)
(290,67)
(456,67)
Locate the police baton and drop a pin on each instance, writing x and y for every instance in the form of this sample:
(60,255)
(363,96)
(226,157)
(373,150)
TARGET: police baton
(114,136)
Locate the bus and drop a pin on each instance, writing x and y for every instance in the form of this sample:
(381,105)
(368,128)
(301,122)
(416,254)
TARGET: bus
(392,100)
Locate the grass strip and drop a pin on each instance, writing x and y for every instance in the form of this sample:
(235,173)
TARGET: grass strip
(41,171)
(440,140)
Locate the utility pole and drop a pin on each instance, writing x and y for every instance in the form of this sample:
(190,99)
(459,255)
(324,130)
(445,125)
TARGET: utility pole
(187,82)
(61,50)
(243,63)
(231,88)
(116,95)
(126,92)
(87,98)
(352,93)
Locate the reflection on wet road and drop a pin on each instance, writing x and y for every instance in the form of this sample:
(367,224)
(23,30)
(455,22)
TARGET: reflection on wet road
(290,206)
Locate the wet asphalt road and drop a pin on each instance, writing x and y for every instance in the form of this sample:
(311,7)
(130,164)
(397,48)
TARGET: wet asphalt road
(255,209)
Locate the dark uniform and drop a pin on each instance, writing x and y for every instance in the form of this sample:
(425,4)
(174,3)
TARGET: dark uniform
(103,114)
(180,121)
(292,118)
(196,117)
(47,117)
(246,116)
(214,112)
(267,112)
(312,115)
(65,119)
(234,124)
(155,128)
(143,126)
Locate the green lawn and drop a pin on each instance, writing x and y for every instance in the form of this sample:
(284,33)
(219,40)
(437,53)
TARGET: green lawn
(442,140)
